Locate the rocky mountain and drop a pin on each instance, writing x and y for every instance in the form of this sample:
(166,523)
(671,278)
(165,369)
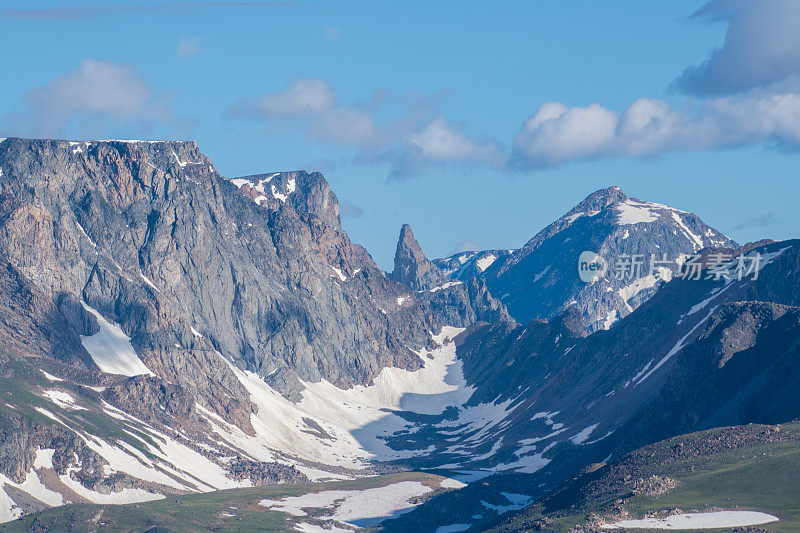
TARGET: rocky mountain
(411,267)
(165,330)
(642,244)
(550,399)
(142,287)
(458,303)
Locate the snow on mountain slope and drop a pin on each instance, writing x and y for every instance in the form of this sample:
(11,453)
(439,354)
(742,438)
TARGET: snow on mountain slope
(643,244)
(359,508)
(348,427)
(111,349)
(331,434)
(244,340)
(181,334)
(694,356)
(707,520)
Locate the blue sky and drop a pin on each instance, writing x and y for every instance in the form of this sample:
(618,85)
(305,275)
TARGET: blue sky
(478,124)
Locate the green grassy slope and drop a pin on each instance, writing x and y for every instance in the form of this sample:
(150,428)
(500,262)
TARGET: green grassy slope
(742,468)
(198,512)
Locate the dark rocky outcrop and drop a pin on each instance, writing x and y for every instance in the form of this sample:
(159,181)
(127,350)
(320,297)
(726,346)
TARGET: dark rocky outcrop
(411,267)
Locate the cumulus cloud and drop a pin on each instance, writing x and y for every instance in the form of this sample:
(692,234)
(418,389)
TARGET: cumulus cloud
(302,97)
(402,131)
(188,46)
(750,88)
(438,143)
(557,134)
(761,47)
(344,125)
(314,105)
(96,93)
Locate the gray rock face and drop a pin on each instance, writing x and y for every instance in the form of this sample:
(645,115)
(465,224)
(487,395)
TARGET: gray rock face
(456,302)
(207,277)
(411,267)
(306,193)
(192,265)
(643,244)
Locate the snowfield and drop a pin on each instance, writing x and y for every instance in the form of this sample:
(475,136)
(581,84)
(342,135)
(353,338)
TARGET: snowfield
(360,508)
(631,212)
(111,349)
(718,519)
(355,420)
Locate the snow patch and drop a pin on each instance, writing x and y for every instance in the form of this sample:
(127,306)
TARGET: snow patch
(678,346)
(339,274)
(485,262)
(120,497)
(360,508)
(450,483)
(44,458)
(62,399)
(541,274)
(445,286)
(111,349)
(610,319)
(517,502)
(635,213)
(583,435)
(149,283)
(716,519)
(638,285)
(50,377)
(697,242)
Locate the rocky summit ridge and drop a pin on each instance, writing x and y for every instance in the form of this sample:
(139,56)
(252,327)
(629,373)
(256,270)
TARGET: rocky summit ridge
(540,279)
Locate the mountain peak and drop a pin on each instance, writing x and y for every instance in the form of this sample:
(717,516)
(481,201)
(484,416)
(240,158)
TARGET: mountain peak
(601,199)
(411,267)
(305,192)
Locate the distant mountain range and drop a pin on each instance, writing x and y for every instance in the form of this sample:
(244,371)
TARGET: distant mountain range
(165,330)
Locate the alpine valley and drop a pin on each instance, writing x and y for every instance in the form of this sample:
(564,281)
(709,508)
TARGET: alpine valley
(183,351)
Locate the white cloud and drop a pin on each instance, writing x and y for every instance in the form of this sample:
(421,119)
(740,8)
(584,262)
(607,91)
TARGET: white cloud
(761,47)
(402,131)
(557,134)
(343,125)
(439,141)
(97,92)
(314,106)
(188,47)
(302,97)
